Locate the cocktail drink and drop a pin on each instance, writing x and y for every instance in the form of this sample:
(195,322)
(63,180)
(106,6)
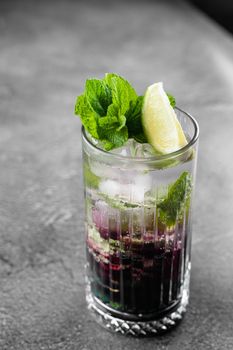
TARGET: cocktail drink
(138,227)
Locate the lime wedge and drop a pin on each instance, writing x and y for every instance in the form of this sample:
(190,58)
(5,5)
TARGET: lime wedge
(160,123)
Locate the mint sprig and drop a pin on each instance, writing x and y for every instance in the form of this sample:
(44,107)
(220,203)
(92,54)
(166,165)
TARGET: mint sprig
(110,111)
(178,196)
(91,180)
(172,100)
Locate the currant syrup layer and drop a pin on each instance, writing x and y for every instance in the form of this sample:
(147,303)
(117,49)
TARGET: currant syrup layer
(135,263)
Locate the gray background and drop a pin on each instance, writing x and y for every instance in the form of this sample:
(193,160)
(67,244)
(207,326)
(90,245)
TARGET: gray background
(47,50)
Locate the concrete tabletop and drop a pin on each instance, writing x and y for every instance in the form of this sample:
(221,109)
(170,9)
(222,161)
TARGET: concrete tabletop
(47,50)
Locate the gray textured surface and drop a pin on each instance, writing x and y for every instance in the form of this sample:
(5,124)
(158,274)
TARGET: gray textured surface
(47,51)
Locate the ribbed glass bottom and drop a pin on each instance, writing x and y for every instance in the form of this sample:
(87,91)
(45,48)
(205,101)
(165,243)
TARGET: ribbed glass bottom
(139,325)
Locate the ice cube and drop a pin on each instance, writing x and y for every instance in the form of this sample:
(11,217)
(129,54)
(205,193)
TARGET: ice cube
(135,149)
(128,150)
(137,194)
(133,191)
(101,170)
(144,181)
(131,148)
(147,150)
(142,184)
(110,187)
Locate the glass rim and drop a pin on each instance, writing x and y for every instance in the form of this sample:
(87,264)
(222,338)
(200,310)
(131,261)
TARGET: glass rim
(155,158)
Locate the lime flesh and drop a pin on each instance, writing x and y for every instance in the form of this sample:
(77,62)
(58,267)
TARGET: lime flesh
(160,123)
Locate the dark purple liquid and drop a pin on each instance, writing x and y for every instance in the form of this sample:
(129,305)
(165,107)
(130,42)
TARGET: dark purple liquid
(138,273)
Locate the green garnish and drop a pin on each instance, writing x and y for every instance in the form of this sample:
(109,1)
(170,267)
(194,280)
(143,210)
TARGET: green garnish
(117,203)
(90,178)
(94,234)
(110,111)
(107,108)
(177,197)
(172,100)
(115,305)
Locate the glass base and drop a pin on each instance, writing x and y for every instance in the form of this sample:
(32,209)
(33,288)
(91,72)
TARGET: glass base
(125,325)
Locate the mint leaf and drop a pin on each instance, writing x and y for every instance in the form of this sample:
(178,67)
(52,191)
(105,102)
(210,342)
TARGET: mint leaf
(122,120)
(134,122)
(117,203)
(115,138)
(141,138)
(122,92)
(172,100)
(90,179)
(177,197)
(113,113)
(106,123)
(87,115)
(98,95)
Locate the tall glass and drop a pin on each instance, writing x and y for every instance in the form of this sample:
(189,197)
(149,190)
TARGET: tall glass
(138,235)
